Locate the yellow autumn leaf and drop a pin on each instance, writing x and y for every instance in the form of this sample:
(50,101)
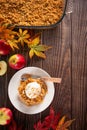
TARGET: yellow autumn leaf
(34,41)
(13,44)
(40,54)
(23,36)
(31,53)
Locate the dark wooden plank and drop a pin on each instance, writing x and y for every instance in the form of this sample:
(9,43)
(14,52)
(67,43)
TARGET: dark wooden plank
(85,74)
(67,59)
(79,68)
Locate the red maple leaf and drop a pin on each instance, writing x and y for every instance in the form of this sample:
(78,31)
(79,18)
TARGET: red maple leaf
(40,126)
(13,126)
(51,120)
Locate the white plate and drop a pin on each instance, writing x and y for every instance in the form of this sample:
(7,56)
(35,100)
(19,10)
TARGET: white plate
(14,96)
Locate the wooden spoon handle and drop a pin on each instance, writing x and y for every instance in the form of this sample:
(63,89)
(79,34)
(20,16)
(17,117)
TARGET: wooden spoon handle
(52,79)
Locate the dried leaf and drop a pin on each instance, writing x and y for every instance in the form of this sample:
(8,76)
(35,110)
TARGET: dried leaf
(34,41)
(51,120)
(13,44)
(40,54)
(39,126)
(6,31)
(38,50)
(42,48)
(62,125)
(62,120)
(68,123)
(23,36)
(31,53)
(13,126)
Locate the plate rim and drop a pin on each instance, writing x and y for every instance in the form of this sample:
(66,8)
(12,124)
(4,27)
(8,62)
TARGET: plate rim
(19,71)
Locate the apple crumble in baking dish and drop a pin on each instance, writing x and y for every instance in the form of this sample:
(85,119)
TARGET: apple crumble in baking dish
(31,12)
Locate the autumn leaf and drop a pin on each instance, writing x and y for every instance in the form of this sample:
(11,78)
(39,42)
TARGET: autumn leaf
(13,126)
(62,120)
(36,48)
(37,53)
(34,41)
(40,54)
(23,36)
(8,35)
(62,125)
(13,44)
(51,120)
(42,48)
(40,126)
(31,53)
(5,32)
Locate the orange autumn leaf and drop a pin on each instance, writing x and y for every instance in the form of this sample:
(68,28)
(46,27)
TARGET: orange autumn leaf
(62,125)
(4,33)
(68,123)
(62,121)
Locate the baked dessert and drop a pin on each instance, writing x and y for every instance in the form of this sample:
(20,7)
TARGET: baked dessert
(32,91)
(31,12)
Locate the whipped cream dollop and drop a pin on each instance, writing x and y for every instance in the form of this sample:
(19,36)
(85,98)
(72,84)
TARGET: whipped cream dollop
(32,90)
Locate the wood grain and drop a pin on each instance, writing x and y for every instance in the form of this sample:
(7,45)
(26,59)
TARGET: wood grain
(79,67)
(68,60)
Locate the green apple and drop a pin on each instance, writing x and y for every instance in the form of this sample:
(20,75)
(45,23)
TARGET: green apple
(3,67)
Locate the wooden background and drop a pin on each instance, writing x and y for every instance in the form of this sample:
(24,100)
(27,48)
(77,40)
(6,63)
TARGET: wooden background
(67,59)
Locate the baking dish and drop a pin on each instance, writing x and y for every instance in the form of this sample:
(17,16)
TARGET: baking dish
(46,26)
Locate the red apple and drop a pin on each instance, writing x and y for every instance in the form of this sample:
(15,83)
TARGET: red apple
(17,61)
(5,116)
(4,48)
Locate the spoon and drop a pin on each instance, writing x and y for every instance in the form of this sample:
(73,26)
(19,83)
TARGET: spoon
(52,79)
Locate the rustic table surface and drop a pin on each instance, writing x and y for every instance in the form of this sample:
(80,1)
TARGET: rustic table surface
(67,59)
